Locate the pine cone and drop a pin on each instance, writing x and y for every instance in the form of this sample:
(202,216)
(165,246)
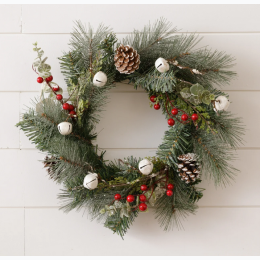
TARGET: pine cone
(49,162)
(126,59)
(188,168)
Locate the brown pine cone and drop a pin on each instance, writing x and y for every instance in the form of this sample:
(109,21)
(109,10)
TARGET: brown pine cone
(126,59)
(49,163)
(188,167)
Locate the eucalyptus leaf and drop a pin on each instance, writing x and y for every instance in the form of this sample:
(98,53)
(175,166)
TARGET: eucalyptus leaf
(123,212)
(45,87)
(185,93)
(102,211)
(44,68)
(194,100)
(52,96)
(118,204)
(43,61)
(111,212)
(36,64)
(196,89)
(44,74)
(60,91)
(206,97)
(206,100)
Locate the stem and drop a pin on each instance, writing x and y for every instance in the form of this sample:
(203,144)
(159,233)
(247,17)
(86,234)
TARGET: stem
(151,193)
(71,94)
(47,83)
(141,179)
(184,81)
(147,47)
(61,101)
(128,165)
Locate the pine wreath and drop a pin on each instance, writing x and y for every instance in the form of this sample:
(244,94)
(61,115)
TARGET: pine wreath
(201,138)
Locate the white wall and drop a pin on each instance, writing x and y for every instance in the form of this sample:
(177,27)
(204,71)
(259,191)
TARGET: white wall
(227,222)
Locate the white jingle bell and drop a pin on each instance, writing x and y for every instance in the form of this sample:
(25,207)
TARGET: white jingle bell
(91,181)
(65,128)
(162,65)
(100,79)
(222,103)
(145,167)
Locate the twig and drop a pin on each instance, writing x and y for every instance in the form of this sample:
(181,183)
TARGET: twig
(184,81)
(78,136)
(147,47)
(71,94)
(128,165)
(47,83)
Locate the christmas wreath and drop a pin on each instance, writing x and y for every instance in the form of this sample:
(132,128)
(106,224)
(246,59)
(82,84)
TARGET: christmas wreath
(201,138)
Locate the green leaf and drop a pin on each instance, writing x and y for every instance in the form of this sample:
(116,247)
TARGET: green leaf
(45,87)
(196,89)
(212,96)
(206,100)
(206,97)
(36,64)
(44,68)
(52,95)
(185,93)
(43,61)
(118,204)
(44,74)
(102,211)
(194,100)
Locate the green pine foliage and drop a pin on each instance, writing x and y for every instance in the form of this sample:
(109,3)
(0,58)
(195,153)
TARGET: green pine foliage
(189,86)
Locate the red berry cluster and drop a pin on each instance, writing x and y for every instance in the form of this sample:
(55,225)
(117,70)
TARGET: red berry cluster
(143,206)
(157,105)
(55,89)
(70,108)
(65,106)
(169,191)
(40,79)
(174,112)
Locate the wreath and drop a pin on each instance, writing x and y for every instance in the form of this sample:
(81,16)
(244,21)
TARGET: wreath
(201,138)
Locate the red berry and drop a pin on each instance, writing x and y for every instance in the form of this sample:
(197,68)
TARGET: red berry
(170,186)
(174,111)
(142,206)
(143,187)
(56,88)
(59,97)
(65,106)
(194,117)
(142,198)
(49,79)
(117,196)
(130,198)
(152,98)
(157,106)
(72,112)
(171,122)
(169,193)
(39,79)
(184,117)
(71,107)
